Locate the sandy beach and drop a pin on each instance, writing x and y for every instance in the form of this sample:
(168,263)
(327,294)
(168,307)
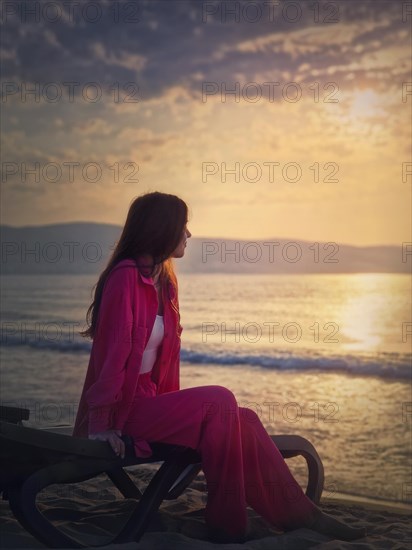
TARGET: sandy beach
(94,510)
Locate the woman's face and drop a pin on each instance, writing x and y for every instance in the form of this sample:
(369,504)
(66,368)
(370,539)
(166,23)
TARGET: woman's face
(180,249)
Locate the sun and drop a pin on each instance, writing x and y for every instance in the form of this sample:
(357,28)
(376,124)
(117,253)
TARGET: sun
(366,103)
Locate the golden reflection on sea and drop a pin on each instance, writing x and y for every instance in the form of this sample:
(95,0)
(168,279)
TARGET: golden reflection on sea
(371,301)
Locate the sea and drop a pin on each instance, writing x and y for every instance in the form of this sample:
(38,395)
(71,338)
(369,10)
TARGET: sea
(324,356)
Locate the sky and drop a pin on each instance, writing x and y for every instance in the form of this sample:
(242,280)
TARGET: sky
(270,119)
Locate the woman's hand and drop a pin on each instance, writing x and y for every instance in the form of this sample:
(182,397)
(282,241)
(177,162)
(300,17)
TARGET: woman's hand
(113,437)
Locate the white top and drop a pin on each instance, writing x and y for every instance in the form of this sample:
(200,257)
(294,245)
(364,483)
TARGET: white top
(150,351)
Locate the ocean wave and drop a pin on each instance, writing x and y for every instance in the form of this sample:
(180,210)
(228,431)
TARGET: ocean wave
(389,366)
(393,366)
(62,343)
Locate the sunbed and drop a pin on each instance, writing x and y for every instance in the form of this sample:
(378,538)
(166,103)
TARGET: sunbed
(31,459)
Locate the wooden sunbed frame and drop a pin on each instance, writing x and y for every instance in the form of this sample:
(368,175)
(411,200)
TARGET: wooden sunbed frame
(32,459)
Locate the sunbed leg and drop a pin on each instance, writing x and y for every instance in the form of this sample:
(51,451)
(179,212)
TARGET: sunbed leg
(22,501)
(123,482)
(295,445)
(315,477)
(184,480)
(154,494)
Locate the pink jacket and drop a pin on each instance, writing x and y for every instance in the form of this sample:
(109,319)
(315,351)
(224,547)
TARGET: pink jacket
(126,317)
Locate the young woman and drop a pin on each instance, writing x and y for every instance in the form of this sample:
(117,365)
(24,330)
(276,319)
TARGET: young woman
(132,384)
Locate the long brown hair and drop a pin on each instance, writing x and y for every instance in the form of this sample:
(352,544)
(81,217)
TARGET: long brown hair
(154,226)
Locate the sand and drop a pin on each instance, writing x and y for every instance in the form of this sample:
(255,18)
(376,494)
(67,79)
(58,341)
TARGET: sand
(95,509)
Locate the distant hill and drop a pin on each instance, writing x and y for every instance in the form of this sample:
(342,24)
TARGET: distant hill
(83,247)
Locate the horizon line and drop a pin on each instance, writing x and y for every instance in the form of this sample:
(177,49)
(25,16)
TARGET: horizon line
(291,239)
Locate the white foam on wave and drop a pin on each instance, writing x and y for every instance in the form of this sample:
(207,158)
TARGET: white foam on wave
(389,366)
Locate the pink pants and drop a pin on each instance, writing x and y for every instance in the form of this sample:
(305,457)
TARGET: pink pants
(242,465)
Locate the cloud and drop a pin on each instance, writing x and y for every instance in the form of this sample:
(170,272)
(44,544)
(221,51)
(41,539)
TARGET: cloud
(131,61)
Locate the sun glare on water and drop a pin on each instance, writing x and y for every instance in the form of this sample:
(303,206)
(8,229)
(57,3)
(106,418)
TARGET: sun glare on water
(365,314)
